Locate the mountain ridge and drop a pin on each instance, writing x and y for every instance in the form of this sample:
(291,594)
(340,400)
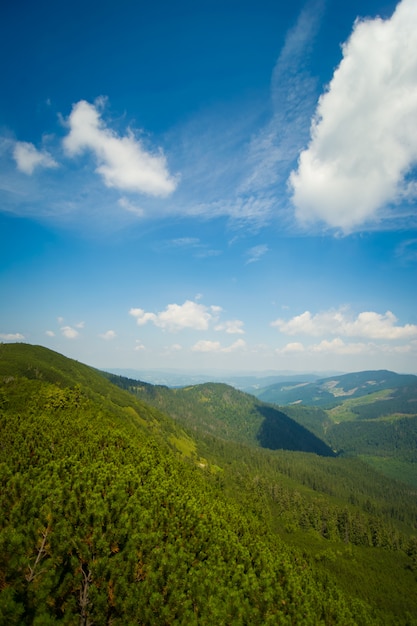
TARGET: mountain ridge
(326,391)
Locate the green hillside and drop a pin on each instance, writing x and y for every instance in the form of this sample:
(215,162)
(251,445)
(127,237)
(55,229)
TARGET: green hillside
(332,391)
(381,427)
(112,514)
(225,412)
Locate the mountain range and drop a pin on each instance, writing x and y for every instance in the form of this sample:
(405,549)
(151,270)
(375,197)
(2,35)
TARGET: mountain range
(129,503)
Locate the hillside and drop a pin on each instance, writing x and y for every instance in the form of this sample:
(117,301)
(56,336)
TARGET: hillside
(225,412)
(368,414)
(112,513)
(332,391)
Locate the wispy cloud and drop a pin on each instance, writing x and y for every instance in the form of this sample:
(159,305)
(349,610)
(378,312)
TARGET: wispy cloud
(256,253)
(232,327)
(293,93)
(108,335)
(131,207)
(239,169)
(364,132)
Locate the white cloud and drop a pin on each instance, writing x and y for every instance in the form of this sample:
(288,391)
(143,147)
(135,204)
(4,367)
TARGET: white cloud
(215,346)
(50,333)
(179,316)
(108,335)
(11,336)
(28,157)
(338,346)
(364,133)
(127,205)
(256,253)
(291,348)
(176,347)
(233,327)
(207,346)
(293,94)
(240,344)
(185,242)
(139,347)
(367,324)
(123,162)
(69,332)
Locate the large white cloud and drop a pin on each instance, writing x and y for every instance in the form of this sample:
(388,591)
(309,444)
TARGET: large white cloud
(368,324)
(123,162)
(28,157)
(364,134)
(179,316)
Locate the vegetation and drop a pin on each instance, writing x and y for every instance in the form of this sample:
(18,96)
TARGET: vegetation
(113,513)
(329,392)
(221,410)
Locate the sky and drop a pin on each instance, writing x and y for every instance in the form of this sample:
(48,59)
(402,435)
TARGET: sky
(210,185)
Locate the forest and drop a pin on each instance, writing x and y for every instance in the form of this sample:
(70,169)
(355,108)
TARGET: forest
(126,503)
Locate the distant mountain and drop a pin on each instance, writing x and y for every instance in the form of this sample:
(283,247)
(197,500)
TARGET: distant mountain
(243,381)
(333,390)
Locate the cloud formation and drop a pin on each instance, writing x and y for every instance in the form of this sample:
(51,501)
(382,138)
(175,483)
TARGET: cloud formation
(108,335)
(368,324)
(11,336)
(28,157)
(233,327)
(123,162)
(293,94)
(69,332)
(364,134)
(179,316)
(256,253)
(215,346)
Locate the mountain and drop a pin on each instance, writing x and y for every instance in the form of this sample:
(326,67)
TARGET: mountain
(380,426)
(333,390)
(181,378)
(225,412)
(112,512)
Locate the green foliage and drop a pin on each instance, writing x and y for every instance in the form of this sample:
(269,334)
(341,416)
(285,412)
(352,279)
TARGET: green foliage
(332,391)
(225,412)
(110,515)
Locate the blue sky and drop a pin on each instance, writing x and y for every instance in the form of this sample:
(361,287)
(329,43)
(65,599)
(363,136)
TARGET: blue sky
(210,185)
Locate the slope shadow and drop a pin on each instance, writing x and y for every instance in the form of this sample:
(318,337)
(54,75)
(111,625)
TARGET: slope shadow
(280,432)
